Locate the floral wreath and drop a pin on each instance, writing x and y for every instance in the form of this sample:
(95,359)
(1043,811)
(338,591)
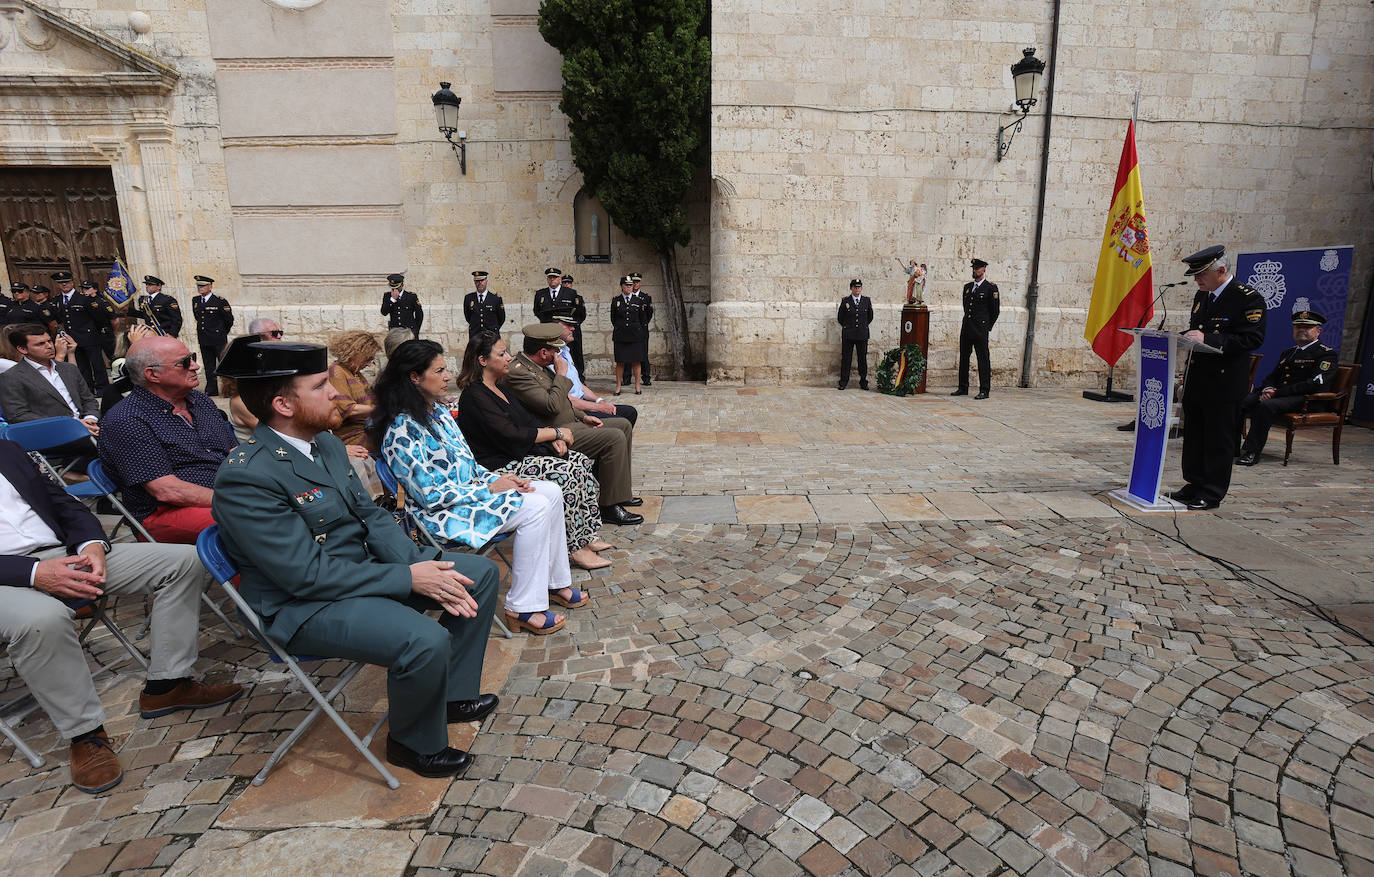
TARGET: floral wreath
(901,371)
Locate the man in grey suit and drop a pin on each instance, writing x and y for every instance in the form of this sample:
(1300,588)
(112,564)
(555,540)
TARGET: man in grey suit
(331,573)
(45,388)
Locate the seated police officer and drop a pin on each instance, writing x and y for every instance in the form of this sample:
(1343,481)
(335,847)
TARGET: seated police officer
(331,574)
(1307,367)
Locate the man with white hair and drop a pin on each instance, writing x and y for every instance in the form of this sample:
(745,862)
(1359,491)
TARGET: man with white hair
(1229,316)
(265,329)
(164,442)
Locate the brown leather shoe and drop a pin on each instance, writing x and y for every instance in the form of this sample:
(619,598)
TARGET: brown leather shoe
(95,767)
(186,696)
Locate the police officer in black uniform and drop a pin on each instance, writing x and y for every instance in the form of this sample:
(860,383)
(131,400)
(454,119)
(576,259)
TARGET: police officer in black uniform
(483,309)
(90,323)
(1229,316)
(22,309)
(214,318)
(1307,367)
(164,307)
(400,307)
(648,301)
(49,312)
(64,287)
(854,315)
(982,304)
(556,298)
(5,304)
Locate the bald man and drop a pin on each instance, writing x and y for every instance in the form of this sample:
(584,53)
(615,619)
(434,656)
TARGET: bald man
(163,443)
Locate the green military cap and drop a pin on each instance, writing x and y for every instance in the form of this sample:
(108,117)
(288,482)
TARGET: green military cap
(550,333)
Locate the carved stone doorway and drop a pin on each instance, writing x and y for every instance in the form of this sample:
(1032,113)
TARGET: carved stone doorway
(56,218)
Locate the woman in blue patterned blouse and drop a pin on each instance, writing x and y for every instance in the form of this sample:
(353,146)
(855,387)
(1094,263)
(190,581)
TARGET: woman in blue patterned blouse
(459,500)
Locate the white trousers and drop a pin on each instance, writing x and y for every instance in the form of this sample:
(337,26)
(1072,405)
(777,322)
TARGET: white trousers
(540,563)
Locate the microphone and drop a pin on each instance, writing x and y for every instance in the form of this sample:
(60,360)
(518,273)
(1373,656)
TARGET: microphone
(1162,319)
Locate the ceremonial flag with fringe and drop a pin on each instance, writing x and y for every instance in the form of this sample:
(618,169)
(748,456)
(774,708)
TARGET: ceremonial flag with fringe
(1123,291)
(119,286)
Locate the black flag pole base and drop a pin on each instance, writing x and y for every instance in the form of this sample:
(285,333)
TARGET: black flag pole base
(1109,395)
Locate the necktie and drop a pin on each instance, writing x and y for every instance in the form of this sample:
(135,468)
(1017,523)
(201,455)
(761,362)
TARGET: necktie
(315,455)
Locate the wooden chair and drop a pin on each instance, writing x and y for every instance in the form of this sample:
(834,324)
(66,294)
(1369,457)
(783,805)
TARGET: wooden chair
(1245,416)
(1337,400)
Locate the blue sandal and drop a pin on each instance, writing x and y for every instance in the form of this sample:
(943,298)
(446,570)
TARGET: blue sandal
(522,621)
(580,598)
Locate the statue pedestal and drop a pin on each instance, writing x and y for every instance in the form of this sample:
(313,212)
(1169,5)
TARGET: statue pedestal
(915,329)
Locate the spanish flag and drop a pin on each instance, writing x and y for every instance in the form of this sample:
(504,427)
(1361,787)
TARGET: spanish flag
(1123,291)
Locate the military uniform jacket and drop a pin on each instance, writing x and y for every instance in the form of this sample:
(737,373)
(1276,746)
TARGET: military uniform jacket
(630,319)
(1303,370)
(214,319)
(167,312)
(90,319)
(25,312)
(542,392)
(546,302)
(490,314)
(305,536)
(1234,323)
(854,319)
(405,312)
(981,306)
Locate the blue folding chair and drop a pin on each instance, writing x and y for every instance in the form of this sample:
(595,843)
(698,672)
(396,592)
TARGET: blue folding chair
(102,486)
(49,433)
(415,525)
(211,552)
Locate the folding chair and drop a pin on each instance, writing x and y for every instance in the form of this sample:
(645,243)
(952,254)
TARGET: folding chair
(48,433)
(493,546)
(101,485)
(14,712)
(212,554)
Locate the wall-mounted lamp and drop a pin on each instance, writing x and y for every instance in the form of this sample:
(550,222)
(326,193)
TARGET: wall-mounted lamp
(1025,76)
(446,105)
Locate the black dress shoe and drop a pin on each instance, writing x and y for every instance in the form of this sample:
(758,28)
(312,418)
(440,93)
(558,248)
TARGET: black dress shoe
(1126,427)
(446,762)
(982,395)
(959,393)
(1183,495)
(634,501)
(1199,504)
(1247,458)
(863,385)
(841,385)
(614,514)
(471,710)
(646,383)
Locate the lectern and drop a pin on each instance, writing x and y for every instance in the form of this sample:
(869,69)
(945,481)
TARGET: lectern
(1155,354)
(915,329)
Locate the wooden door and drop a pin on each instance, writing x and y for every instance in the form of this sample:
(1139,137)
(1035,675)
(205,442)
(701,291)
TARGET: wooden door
(54,218)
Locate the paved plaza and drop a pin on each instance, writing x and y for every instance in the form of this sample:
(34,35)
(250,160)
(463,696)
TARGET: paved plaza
(857,635)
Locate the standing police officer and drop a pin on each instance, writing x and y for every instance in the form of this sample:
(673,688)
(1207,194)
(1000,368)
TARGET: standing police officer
(557,299)
(648,300)
(981,307)
(90,323)
(214,318)
(1229,316)
(403,308)
(854,315)
(483,309)
(49,312)
(164,307)
(22,309)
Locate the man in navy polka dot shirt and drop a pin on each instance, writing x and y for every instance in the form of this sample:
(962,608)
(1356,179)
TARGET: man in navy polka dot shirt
(164,442)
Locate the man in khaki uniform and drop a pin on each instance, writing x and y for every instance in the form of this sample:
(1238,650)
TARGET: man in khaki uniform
(607,440)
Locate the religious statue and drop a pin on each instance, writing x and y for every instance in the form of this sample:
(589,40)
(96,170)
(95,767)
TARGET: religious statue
(915,282)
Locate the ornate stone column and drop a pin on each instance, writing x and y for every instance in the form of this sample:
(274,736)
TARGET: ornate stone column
(160,185)
(133,208)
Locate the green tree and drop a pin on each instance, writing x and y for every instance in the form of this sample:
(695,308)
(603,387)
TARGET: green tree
(637,94)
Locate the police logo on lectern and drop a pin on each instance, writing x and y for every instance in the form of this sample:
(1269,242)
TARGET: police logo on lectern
(1152,409)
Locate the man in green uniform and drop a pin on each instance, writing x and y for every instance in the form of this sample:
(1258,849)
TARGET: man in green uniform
(331,573)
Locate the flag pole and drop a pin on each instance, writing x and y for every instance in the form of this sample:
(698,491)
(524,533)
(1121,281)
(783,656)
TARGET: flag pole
(1111,395)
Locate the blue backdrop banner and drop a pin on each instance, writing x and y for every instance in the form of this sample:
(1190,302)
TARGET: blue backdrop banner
(1152,419)
(1316,279)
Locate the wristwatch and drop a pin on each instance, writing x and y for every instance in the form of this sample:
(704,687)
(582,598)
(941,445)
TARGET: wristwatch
(598,400)
(558,434)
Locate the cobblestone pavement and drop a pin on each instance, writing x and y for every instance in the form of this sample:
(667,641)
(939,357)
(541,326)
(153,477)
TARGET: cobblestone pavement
(858,635)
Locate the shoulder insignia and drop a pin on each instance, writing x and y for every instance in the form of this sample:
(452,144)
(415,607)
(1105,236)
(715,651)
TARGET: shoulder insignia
(1326,364)
(280,452)
(995,294)
(1254,316)
(174,304)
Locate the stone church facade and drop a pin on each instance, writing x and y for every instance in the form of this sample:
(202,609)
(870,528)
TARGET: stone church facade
(288,148)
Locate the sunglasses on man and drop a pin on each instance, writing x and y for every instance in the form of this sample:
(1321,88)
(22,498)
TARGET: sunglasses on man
(184,363)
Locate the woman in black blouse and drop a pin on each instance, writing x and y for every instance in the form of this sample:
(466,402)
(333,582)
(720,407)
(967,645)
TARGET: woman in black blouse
(504,437)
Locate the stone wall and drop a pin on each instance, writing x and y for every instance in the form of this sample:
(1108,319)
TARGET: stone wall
(843,139)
